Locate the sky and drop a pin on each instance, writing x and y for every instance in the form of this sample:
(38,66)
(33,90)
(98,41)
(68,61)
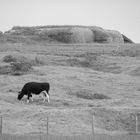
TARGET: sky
(120,15)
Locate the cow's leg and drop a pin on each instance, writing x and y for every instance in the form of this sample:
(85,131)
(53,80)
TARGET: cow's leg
(28,97)
(46,95)
(31,98)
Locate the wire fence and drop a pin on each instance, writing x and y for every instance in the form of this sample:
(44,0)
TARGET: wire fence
(134,135)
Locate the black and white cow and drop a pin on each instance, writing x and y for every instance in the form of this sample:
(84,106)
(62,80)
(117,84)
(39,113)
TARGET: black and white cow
(34,88)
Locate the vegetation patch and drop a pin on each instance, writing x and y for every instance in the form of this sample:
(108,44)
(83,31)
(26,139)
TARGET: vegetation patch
(84,60)
(21,59)
(135,72)
(100,96)
(20,68)
(93,61)
(114,120)
(127,52)
(86,94)
(16,68)
(36,62)
(9,59)
(19,65)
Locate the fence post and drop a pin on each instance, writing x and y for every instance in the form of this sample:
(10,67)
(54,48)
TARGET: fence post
(1,125)
(93,130)
(136,125)
(47,125)
(136,121)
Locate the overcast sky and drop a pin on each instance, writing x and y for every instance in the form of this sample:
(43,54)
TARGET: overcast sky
(121,15)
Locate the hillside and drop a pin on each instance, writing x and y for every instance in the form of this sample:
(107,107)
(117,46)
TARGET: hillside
(85,79)
(92,72)
(63,34)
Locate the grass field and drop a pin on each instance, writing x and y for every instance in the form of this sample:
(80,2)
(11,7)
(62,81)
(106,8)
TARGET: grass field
(97,79)
(82,137)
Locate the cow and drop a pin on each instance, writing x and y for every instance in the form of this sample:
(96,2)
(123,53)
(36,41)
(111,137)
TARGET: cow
(34,88)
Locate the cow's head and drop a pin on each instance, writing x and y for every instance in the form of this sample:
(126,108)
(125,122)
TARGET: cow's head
(20,95)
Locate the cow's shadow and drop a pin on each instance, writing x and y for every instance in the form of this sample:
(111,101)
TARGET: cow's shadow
(35,101)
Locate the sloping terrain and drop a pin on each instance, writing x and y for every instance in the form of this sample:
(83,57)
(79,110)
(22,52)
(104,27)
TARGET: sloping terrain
(85,80)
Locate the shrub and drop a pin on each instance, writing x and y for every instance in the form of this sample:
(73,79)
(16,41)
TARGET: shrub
(20,67)
(9,58)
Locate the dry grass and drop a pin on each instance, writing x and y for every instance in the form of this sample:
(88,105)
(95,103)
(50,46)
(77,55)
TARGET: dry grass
(93,61)
(119,87)
(21,59)
(84,60)
(17,65)
(81,137)
(86,94)
(135,72)
(36,62)
(127,52)
(114,120)
(5,69)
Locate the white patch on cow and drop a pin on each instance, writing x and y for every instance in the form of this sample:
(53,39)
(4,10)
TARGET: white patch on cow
(46,96)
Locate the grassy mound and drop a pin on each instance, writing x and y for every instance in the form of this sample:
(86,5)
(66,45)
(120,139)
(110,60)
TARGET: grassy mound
(85,94)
